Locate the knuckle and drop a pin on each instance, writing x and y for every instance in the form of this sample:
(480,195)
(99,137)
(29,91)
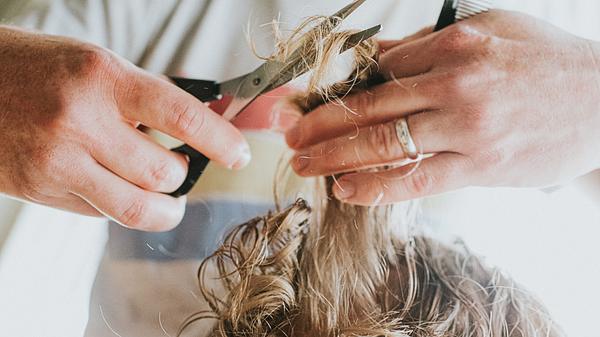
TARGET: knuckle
(327,157)
(458,37)
(383,142)
(458,85)
(134,214)
(156,175)
(420,183)
(91,61)
(482,53)
(125,89)
(480,123)
(363,103)
(186,120)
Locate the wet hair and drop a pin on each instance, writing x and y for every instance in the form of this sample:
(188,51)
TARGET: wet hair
(333,269)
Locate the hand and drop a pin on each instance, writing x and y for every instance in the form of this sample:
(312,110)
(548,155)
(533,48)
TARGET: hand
(69,113)
(498,100)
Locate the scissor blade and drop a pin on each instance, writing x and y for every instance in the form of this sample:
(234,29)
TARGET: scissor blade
(300,68)
(236,106)
(356,39)
(245,89)
(328,25)
(336,19)
(346,11)
(323,30)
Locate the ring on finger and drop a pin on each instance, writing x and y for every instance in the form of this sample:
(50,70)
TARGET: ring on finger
(406,140)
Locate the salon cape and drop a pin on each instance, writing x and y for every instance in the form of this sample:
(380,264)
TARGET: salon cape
(62,274)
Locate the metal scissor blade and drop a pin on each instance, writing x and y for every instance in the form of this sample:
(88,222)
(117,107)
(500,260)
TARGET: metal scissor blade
(301,68)
(359,37)
(246,88)
(327,26)
(232,86)
(236,106)
(346,11)
(336,19)
(324,29)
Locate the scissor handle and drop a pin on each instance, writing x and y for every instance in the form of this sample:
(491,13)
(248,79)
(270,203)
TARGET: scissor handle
(197,165)
(205,91)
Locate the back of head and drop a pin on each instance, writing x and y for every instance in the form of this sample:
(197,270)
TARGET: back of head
(342,270)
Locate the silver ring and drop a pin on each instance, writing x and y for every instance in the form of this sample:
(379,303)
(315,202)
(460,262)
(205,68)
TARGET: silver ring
(406,141)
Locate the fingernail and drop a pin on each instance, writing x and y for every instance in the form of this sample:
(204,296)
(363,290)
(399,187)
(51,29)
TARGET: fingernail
(301,162)
(345,190)
(283,117)
(176,214)
(294,136)
(178,175)
(244,158)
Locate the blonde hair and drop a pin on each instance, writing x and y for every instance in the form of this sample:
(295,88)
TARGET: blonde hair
(342,270)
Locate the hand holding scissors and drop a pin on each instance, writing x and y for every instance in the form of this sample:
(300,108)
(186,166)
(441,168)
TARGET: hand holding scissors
(269,76)
(70,137)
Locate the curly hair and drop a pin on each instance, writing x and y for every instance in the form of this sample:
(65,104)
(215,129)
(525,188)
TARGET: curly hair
(342,270)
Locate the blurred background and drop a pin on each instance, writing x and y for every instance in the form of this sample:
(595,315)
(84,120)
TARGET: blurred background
(547,240)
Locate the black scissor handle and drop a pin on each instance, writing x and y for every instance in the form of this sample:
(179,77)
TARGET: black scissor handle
(197,165)
(205,91)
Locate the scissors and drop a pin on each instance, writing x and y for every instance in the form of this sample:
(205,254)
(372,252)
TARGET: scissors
(269,76)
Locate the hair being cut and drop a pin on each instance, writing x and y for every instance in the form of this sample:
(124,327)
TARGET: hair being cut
(333,269)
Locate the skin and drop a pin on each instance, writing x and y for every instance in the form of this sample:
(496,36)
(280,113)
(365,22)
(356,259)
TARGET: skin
(501,99)
(69,113)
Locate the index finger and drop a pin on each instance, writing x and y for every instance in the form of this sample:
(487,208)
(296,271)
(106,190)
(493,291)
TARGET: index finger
(380,104)
(160,105)
(385,45)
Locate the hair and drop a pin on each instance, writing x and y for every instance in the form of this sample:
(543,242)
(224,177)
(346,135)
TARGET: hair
(334,269)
